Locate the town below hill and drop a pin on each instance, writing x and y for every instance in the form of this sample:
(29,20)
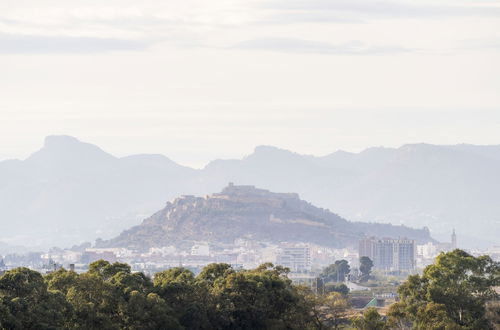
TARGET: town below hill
(245,226)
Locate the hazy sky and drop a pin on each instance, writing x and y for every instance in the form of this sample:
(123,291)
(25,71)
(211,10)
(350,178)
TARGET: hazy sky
(197,80)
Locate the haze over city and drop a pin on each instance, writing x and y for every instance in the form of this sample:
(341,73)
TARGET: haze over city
(250,164)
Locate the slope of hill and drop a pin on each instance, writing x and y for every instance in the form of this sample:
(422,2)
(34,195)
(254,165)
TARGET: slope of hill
(71,191)
(248,212)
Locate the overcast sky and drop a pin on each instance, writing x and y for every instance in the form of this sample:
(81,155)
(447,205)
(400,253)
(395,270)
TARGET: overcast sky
(198,80)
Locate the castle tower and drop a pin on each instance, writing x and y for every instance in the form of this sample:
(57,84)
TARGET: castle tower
(453,240)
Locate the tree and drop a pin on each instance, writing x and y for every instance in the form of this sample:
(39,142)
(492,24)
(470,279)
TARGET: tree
(148,312)
(177,286)
(106,270)
(109,296)
(61,280)
(96,303)
(340,288)
(128,282)
(433,316)
(365,267)
(336,272)
(370,320)
(214,272)
(493,314)
(453,291)
(262,298)
(25,302)
(397,319)
(329,311)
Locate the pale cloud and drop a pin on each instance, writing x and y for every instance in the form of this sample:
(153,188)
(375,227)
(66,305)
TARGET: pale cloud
(480,44)
(29,44)
(129,25)
(293,45)
(81,18)
(387,9)
(60,25)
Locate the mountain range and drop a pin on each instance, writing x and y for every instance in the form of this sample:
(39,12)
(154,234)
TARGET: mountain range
(70,191)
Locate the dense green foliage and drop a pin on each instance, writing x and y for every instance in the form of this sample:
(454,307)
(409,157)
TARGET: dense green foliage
(336,272)
(454,293)
(110,296)
(365,267)
(370,320)
(340,288)
(328,311)
(451,294)
(25,302)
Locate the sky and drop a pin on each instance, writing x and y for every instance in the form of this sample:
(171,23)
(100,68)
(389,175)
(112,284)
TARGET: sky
(198,80)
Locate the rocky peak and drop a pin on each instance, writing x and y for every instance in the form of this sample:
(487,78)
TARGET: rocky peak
(61,150)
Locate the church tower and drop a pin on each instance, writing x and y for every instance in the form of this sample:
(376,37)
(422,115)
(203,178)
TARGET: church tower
(453,240)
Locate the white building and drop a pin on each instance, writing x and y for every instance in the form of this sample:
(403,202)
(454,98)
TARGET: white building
(429,250)
(163,251)
(295,257)
(200,250)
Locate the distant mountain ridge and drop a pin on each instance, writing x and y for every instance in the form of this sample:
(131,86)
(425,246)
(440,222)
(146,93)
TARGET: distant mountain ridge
(441,187)
(71,191)
(247,212)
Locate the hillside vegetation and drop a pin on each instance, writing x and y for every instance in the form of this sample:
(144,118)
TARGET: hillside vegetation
(248,212)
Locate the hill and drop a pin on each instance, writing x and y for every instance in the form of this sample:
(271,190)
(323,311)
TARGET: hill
(441,187)
(248,212)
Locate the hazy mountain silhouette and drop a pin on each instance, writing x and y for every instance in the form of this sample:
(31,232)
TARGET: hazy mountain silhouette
(71,191)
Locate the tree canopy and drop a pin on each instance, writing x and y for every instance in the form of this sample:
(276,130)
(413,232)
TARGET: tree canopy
(335,272)
(450,294)
(370,320)
(365,267)
(110,296)
(454,293)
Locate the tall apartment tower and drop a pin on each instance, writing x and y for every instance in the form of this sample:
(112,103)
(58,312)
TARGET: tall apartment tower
(389,254)
(453,240)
